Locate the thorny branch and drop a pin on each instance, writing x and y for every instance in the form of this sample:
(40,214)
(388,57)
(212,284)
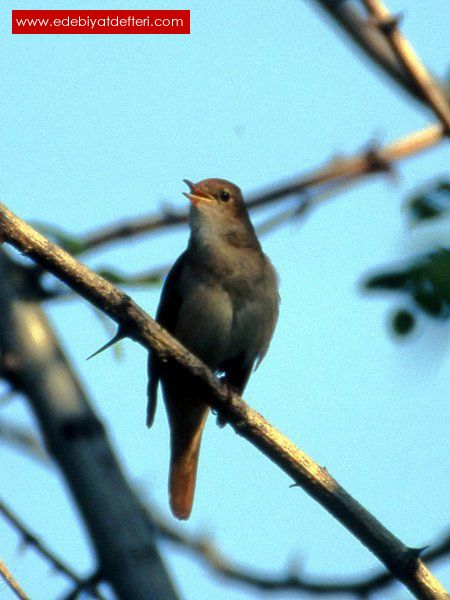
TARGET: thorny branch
(437,99)
(133,322)
(327,180)
(362,587)
(399,63)
(368,37)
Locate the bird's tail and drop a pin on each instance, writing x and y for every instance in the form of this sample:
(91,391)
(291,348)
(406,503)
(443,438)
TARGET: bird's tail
(186,435)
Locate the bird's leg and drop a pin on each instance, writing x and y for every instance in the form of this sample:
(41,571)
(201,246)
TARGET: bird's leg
(231,389)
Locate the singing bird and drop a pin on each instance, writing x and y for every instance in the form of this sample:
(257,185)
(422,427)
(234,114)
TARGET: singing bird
(220,300)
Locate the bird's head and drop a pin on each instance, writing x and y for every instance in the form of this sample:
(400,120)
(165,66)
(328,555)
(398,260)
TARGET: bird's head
(218,209)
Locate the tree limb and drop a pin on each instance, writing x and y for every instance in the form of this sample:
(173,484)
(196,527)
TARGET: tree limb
(22,439)
(134,322)
(368,37)
(34,363)
(436,98)
(361,587)
(31,539)
(331,178)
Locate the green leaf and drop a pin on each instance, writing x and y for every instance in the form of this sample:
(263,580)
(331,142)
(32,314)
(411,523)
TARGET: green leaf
(403,322)
(429,302)
(426,279)
(387,281)
(432,202)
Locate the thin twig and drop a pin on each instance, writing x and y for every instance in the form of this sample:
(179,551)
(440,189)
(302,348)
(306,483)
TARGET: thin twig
(301,208)
(135,323)
(372,42)
(361,587)
(23,439)
(9,579)
(388,24)
(348,170)
(31,539)
(85,585)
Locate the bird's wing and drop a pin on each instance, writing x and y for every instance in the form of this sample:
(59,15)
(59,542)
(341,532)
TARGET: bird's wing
(166,316)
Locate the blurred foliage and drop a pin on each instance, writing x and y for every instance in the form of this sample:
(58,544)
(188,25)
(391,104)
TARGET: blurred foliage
(403,322)
(432,202)
(117,278)
(424,279)
(74,245)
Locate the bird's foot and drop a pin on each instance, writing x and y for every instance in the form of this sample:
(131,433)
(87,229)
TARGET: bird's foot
(221,418)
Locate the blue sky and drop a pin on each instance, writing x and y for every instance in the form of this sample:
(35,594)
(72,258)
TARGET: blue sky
(100,128)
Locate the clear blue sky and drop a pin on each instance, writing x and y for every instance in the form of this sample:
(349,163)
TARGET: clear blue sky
(99,128)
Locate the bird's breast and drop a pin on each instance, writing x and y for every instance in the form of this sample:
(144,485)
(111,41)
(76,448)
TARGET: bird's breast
(229,309)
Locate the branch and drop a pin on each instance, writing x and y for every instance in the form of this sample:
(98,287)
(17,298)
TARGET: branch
(372,42)
(35,364)
(304,205)
(333,177)
(11,582)
(31,539)
(22,439)
(437,99)
(86,584)
(8,578)
(134,322)
(361,587)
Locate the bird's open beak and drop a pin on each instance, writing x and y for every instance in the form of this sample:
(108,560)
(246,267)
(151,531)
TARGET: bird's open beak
(196,195)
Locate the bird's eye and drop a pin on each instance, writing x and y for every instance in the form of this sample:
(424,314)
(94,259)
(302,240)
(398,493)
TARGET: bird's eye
(224,195)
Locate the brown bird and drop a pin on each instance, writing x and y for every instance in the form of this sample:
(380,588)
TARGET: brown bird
(220,300)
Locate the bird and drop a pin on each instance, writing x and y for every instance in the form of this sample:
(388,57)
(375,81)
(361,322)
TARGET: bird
(220,300)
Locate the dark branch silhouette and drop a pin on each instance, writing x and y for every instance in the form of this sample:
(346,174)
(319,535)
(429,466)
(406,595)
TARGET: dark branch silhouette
(29,538)
(75,438)
(360,587)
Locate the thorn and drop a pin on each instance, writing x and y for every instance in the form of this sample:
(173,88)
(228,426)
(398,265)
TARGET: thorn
(387,24)
(377,163)
(221,420)
(294,568)
(417,552)
(120,335)
(294,485)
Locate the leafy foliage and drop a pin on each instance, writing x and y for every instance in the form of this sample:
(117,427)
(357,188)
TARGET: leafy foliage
(426,280)
(403,322)
(74,245)
(433,202)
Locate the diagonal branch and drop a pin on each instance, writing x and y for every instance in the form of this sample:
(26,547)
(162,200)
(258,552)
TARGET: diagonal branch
(360,587)
(330,178)
(402,561)
(23,440)
(10,580)
(31,539)
(372,42)
(436,98)
(34,363)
